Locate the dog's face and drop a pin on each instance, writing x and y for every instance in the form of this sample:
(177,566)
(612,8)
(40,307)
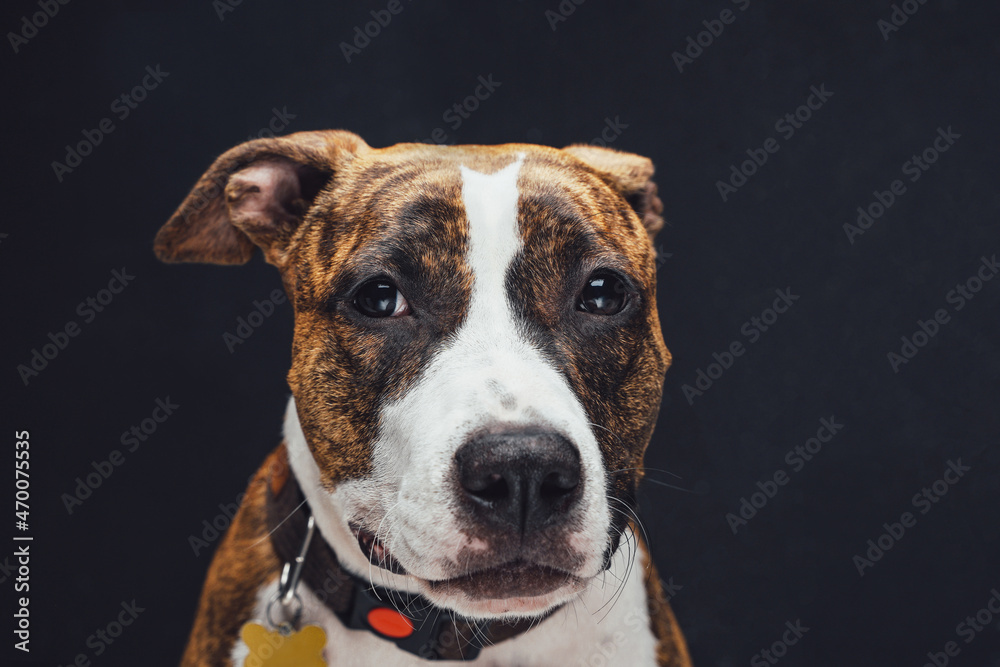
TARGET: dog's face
(477,360)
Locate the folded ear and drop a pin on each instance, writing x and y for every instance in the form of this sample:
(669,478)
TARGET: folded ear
(254,194)
(630,174)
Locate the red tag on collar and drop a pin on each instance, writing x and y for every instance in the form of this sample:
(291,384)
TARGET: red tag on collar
(389,622)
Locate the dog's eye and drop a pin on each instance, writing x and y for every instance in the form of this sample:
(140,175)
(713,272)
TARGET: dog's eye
(380,298)
(604,294)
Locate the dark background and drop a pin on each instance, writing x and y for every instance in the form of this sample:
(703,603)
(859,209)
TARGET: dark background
(826,357)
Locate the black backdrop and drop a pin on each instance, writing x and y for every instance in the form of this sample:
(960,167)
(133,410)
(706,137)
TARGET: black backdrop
(226,71)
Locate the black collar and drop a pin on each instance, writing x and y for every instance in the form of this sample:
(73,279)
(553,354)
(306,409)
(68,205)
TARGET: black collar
(410,621)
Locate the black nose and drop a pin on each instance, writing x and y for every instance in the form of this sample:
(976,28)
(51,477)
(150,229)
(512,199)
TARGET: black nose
(519,481)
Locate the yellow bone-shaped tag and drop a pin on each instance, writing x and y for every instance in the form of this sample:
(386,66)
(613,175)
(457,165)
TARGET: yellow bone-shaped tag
(274,649)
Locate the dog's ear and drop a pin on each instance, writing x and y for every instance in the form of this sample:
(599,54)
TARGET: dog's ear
(254,194)
(631,175)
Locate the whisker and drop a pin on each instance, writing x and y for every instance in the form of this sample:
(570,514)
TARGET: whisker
(631,545)
(382,560)
(645,537)
(669,486)
(277,526)
(634,515)
(633,551)
(645,469)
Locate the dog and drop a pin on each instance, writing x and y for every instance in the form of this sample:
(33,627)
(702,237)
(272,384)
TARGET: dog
(477,367)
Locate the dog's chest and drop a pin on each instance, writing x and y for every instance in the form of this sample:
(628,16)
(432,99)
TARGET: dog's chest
(607,624)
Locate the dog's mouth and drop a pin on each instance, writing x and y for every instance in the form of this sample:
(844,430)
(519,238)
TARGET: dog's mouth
(376,552)
(514,579)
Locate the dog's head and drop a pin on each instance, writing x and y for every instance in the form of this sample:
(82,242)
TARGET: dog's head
(477,361)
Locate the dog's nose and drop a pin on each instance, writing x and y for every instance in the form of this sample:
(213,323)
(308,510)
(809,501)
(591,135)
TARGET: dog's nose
(519,481)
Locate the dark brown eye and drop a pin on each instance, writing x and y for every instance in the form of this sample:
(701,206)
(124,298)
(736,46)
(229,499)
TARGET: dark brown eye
(380,298)
(604,294)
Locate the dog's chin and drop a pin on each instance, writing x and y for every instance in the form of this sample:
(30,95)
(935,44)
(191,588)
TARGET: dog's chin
(515,589)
